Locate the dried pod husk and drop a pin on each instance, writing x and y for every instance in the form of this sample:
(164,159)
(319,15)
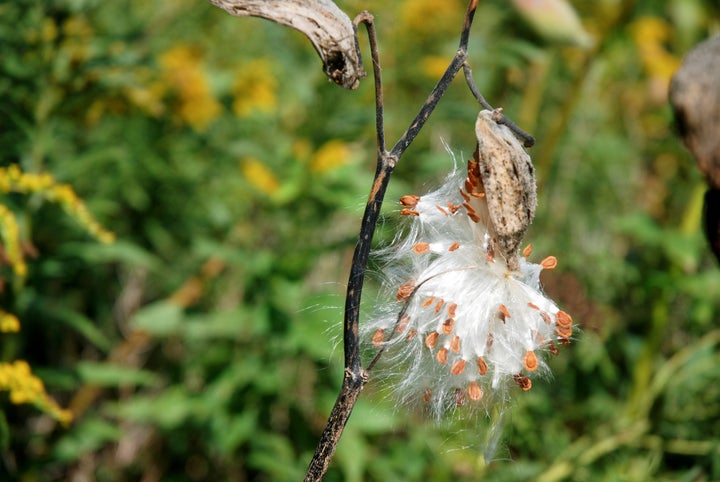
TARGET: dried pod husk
(329,29)
(508,179)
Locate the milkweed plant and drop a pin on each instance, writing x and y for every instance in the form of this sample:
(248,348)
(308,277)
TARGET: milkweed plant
(460,322)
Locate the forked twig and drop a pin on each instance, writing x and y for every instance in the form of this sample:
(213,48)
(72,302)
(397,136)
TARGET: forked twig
(527,139)
(355,376)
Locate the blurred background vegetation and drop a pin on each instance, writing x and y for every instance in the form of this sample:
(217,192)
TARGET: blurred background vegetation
(202,343)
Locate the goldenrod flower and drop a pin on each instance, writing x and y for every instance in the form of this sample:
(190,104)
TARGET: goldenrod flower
(10,239)
(257,174)
(651,35)
(331,155)
(9,323)
(430,16)
(434,66)
(184,73)
(24,387)
(463,326)
(12,179)
(254,89)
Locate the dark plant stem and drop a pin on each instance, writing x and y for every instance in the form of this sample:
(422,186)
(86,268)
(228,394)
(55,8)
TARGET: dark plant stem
(368,20)
(355,376)
(527,139)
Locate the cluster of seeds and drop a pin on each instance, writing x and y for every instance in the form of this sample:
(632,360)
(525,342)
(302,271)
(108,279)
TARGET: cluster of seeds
(467,323)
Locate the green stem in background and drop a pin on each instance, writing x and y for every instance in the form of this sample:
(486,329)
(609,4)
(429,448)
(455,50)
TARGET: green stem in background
(531,102)
(547,150)
(638,403)
(632,430)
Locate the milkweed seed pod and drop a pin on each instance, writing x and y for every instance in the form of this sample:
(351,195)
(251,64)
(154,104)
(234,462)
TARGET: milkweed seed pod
(505,175)
(465,319)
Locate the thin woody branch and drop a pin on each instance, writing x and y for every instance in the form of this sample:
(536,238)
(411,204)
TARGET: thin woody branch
(527,139)
(367,19)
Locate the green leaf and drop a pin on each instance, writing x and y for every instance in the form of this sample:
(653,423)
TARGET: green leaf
(168,410)
(162,318)
(78,322)
(108,375)
(273,455)
(232,430)
(88,436)
(116,252)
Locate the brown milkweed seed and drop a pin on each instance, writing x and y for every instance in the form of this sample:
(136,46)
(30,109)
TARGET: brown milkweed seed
(455,344)
(431,339)
(523,382)
(549,263)
(458,367)
(563,319)
(378,337)
(409,200)
(405,290)
(482,366)
(452,207)
(530,361)
(442,355)
(527,251)
(563,331)
(504,313)
(474,391)
(421,248)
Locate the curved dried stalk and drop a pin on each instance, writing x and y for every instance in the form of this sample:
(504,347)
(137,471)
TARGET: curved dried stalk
(328,28)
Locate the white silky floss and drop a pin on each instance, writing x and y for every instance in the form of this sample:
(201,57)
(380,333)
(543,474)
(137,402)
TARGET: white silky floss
(463,324)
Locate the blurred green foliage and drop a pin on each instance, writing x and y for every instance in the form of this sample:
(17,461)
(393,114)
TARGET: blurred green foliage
(204,343)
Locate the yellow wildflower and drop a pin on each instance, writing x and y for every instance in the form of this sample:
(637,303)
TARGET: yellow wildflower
(332,154)
(12,179)
(650,35)
(64,195)
(431,16)
(433,66)
(254,89)
(259,176)
(24,387)
(10,238)
(9,323)
(183,71)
